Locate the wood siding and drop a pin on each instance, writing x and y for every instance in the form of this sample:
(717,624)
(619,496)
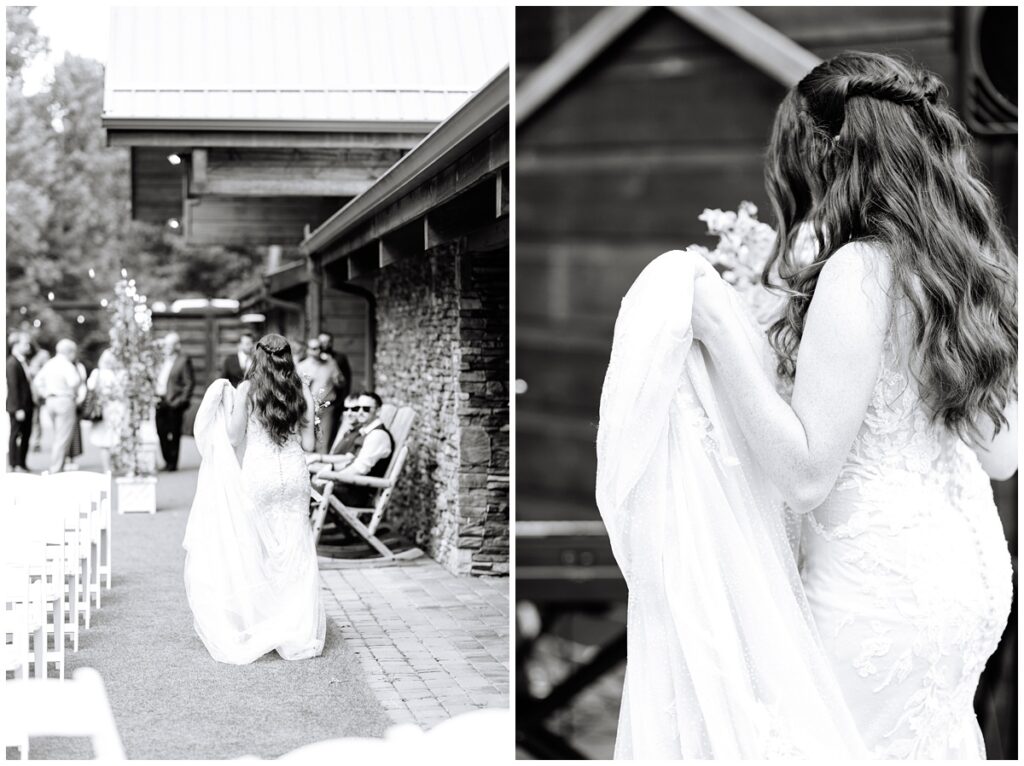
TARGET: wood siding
(616,168)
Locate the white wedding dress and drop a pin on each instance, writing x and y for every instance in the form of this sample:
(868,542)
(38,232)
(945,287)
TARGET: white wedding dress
(251,571)
(862,637)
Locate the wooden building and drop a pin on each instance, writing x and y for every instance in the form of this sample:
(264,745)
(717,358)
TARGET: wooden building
(251,126)
(631,121)
(428,247)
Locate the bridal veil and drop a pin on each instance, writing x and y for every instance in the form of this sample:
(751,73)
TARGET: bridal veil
(723,657)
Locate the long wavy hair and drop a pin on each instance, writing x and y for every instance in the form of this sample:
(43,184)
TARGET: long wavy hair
(866,148)
(275,392)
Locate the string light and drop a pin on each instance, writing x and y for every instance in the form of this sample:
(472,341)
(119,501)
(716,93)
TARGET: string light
(49,296)
(104,303)
(80,319)
(92,273)
(124,273)
(174,159)
(24,310)
(37,323)
(173,223)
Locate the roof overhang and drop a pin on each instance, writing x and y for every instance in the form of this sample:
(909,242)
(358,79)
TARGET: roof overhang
(485,113)
(738,30)
(263,126)
(286,278)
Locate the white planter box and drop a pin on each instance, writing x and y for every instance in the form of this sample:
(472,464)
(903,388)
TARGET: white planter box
(136,494)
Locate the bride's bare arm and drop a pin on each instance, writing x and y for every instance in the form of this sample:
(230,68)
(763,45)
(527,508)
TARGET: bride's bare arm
(803,445)
(239,414)
(998,452)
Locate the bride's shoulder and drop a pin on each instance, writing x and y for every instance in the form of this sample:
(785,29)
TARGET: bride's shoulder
(853,289)
(862,264)
(864,259)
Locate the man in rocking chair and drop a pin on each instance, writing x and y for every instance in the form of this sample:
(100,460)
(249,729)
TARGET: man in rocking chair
(364,449)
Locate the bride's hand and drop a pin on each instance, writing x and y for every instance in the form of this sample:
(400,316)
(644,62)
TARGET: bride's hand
(711,303)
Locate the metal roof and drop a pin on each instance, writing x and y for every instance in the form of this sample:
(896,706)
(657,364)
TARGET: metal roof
(373,66)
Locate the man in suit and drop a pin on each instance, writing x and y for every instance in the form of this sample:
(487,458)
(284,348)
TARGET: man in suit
(364,450)
(174,384)
(330,417)
(236,365)
(20,402)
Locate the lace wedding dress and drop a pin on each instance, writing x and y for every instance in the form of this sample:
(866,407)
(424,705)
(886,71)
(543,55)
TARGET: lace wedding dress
(251,571)
(858,630)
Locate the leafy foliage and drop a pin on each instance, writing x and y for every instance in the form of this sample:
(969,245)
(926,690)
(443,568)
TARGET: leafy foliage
(69,209)
(131,341)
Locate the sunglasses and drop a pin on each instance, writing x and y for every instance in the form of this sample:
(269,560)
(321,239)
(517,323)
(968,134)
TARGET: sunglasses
(359,408)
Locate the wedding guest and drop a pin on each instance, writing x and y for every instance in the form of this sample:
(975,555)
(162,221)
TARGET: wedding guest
(107,381)
(236,365)
(20,402)
(316,460)
(39,357)
(60,384)
(363,451)
(174,384)
(75,448)
(332,421)
(324,377)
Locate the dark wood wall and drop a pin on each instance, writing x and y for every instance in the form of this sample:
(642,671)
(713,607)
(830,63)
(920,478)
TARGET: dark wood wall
(207,341)
(616,168)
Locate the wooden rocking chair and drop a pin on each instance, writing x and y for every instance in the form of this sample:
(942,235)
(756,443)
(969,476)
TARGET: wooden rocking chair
(399,423)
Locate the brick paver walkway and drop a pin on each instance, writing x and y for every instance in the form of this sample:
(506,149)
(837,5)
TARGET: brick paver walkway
(432,644)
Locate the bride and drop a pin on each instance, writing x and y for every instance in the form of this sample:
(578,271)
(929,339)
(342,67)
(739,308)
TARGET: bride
(251,572)
(815,563)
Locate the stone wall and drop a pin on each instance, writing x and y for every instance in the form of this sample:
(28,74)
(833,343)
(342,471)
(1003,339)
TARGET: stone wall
(417,362)
(483,413)
(442,348)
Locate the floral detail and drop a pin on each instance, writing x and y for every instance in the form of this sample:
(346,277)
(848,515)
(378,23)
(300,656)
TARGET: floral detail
(911,531)
(132,343)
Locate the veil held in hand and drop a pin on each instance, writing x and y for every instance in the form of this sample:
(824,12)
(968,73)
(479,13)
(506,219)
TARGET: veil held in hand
(723,658)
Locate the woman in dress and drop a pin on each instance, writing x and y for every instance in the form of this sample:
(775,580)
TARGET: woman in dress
(107,381)
(881,439)
(251,571)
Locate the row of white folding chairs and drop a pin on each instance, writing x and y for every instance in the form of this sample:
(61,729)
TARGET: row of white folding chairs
(69,516)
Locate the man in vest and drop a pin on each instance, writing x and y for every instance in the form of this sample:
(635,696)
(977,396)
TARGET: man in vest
(362,450)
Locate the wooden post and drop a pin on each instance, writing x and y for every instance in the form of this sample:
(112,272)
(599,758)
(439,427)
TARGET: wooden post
(314,295)
(199,174)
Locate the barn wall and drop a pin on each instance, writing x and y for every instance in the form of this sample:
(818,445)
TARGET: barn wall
(207,341)
(345,317)
(616,168)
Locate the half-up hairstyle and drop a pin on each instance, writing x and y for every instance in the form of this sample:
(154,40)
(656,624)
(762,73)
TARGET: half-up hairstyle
(275,393)
(866,148)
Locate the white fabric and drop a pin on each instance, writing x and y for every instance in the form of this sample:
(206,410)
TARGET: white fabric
(251,570)
(164,374)
(725,659)
(376,447)
(59,377)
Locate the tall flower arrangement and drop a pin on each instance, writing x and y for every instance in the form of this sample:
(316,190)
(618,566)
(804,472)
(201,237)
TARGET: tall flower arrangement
(131,341)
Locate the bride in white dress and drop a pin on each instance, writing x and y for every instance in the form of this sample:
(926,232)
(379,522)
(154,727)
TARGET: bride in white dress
(815,561)
(251,571)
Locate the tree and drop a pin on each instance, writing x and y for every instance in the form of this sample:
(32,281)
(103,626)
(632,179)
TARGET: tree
(69,225)
(24,42)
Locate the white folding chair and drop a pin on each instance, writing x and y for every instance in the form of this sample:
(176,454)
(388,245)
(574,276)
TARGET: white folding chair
(96,487)
(31,525)
(79,708)
(24,608)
